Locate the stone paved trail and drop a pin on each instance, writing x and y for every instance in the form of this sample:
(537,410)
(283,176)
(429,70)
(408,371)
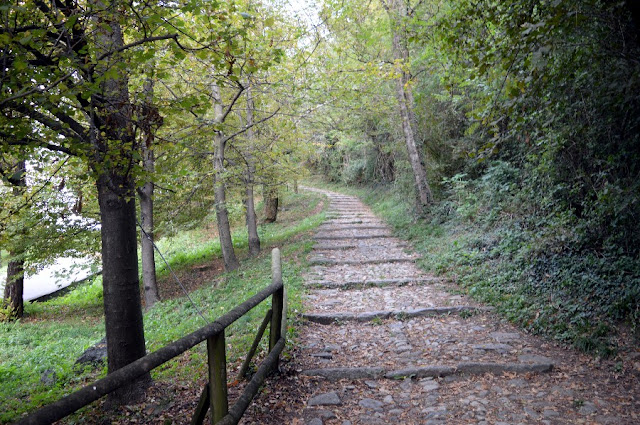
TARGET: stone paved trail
(384,343)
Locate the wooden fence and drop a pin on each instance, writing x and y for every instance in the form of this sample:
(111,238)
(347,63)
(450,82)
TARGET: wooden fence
(214,395)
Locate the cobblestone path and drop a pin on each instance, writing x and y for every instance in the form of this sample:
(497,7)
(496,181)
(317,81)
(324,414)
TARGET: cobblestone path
(384,343)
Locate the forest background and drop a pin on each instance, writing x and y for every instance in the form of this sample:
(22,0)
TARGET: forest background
(501,137)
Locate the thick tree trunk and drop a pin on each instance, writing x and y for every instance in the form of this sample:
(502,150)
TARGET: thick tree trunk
(250,209)
(397,11)
(116,198)
(14,286)
(270,204)
(150,117)
(219,190)
(121,285)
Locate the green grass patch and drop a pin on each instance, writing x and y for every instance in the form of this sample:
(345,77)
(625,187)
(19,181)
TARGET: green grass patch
(55,333)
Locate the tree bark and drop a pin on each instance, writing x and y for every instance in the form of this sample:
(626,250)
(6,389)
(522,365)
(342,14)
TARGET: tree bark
(222,214)
(250,209)
(149,116)
(14,288)
(219,191)
(252,219)
(121,285)
(270,204)
(14,284)
(116,199)
(397,10)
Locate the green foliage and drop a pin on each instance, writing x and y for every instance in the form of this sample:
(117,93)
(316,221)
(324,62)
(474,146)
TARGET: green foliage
(6,312)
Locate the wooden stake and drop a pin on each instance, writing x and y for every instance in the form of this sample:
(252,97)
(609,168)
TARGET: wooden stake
(219,403)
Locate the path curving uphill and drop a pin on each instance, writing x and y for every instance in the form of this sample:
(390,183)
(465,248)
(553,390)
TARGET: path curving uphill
(385,343)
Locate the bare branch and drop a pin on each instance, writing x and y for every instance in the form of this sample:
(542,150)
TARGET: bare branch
(239,132)
(233,102)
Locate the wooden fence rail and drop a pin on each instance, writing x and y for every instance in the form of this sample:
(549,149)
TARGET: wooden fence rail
(214,395)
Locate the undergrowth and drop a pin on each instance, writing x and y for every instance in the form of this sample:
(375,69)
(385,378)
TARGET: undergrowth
(38,353)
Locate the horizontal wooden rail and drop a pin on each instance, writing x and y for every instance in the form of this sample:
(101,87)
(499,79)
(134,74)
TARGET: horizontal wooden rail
(92,392)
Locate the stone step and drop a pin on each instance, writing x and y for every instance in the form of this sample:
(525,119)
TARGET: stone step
(337,237)
(347,203)
(367,316)
(334,247)
(326,228)
(329,262)
(343,215)
(468,368)
(350,213)
(351,222)
(352,284)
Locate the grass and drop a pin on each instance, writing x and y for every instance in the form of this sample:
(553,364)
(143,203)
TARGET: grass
(53,334)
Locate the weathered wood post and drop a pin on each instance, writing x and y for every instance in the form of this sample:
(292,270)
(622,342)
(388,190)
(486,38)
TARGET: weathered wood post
(219,403)
(277,302)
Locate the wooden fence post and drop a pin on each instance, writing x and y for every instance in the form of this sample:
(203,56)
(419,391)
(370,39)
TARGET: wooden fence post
(216,351)
(277,302)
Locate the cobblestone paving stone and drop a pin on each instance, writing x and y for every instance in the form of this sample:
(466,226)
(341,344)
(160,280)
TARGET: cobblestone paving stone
(479,361)
(380,298)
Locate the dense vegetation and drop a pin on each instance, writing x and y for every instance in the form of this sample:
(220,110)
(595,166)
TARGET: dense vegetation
(528,117)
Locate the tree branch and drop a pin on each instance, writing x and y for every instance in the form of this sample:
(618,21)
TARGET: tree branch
(52,124)
(135,44)
(36,89)
(27,141)
(239,132)
(233,102)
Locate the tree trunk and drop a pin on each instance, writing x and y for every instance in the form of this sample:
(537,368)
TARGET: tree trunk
(116,198)
(222,214)
(151,293)
(121,285)
(270,204)
(149,116)
(397,11)
(250,210)
(14,285)
(252,220)
(219,191)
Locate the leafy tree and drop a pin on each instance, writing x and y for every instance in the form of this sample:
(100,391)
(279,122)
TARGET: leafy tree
(65,68)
